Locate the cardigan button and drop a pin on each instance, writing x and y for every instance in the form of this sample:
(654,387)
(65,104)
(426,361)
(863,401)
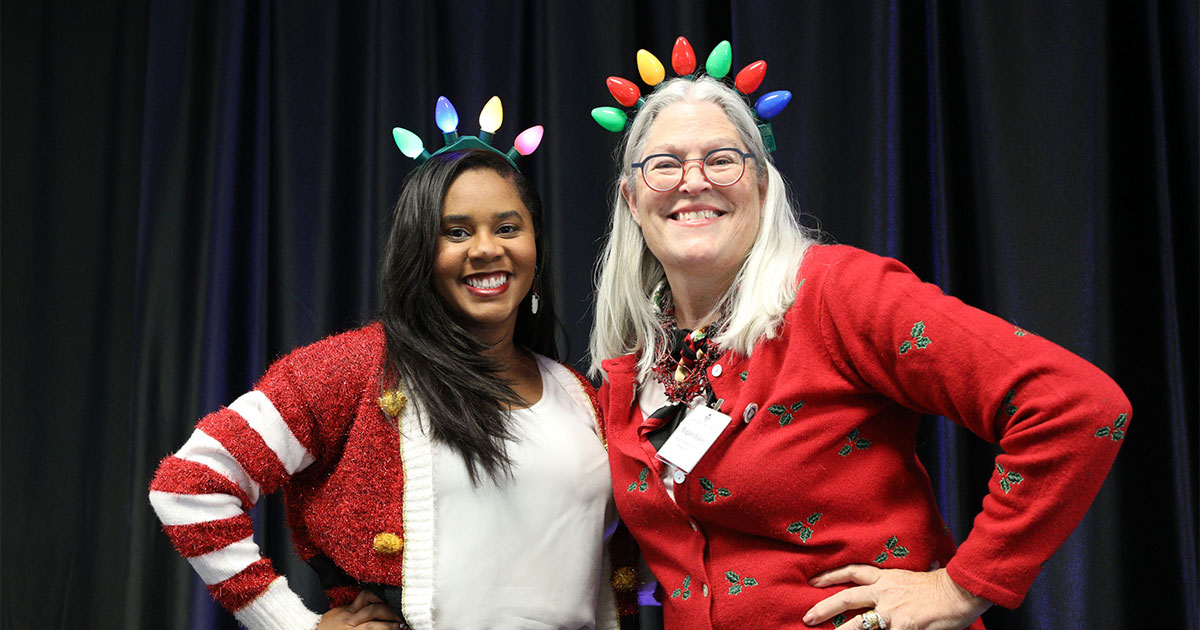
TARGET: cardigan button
(680,477)
(387,544)
(716,370)
(749,412)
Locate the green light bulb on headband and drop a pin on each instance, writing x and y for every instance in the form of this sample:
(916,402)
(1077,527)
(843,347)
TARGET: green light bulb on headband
(720,60)
(610,118)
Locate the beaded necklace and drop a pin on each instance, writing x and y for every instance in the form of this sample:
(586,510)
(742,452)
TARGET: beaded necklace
(684,356)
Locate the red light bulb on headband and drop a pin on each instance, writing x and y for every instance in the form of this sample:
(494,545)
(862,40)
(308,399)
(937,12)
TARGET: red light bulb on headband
(683,58)
(624,90)
(751,77)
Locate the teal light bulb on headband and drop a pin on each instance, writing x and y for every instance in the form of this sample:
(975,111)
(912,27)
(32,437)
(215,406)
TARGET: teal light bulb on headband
(410,144)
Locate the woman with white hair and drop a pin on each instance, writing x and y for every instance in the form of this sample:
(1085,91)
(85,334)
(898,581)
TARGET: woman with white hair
(762,393)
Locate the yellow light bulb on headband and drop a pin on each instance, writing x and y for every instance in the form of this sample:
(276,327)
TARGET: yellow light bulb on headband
(491,116)
(650,68)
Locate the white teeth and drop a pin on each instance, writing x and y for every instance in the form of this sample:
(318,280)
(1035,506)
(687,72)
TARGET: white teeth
(696,214)
(487,282)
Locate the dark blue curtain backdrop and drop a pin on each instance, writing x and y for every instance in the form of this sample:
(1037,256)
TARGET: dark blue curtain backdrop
(191,189)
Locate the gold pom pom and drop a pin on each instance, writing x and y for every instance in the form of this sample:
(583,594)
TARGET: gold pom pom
(387,544)
(624,579)
(393,402)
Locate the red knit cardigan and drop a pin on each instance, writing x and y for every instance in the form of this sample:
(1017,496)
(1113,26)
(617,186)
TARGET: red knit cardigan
(818,468)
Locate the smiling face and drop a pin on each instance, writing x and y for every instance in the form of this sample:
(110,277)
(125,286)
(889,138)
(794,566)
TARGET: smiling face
(698,231)
(486,253)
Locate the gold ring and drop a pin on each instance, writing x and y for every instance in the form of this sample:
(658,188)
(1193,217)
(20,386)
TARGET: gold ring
(872,621)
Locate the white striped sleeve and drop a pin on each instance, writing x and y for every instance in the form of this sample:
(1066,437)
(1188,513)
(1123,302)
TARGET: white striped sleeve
(226,562)
(189,509)
(264,419)
(204,449)
(277,608)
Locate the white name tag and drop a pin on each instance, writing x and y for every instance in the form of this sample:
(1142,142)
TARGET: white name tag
(693,437)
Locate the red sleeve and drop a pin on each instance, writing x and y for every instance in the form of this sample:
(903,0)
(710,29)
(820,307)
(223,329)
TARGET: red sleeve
(251,448)
(1058,419)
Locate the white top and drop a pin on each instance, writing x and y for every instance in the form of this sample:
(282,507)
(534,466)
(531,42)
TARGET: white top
(525,553)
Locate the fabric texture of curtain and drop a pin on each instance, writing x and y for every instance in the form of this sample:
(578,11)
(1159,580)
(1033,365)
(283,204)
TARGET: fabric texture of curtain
(190,189)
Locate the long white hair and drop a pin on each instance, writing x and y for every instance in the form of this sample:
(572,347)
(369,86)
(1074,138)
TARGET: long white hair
(627,273)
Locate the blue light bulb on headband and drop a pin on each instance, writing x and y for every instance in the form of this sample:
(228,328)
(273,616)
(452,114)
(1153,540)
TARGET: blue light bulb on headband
(446,118)
(772,103)
(445,115)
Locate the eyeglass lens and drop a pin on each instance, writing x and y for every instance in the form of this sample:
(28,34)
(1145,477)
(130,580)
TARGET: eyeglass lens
(665,172)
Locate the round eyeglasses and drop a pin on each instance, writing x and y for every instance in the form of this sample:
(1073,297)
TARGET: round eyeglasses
(663,172)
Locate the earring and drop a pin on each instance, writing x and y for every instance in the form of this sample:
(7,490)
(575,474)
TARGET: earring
(535,297)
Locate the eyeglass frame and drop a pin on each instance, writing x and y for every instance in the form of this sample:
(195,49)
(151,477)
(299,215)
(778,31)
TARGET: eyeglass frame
(641,166)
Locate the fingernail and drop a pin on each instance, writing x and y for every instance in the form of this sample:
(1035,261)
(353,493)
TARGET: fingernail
(808,618)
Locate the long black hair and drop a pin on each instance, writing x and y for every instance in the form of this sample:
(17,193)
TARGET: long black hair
(429,352)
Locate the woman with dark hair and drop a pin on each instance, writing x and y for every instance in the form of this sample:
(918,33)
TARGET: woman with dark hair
(439,469)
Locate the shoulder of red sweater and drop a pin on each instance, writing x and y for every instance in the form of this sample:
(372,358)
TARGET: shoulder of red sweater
(361,346)
(829,255)
(850,264)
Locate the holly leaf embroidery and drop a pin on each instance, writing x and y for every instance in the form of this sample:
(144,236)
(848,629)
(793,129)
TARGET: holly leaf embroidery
(918,329)
(814,517)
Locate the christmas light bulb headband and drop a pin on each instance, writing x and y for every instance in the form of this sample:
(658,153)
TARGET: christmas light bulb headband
(683,61)
(490,118)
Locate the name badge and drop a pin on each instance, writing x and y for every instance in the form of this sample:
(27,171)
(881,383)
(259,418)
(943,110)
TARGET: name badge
(693,437)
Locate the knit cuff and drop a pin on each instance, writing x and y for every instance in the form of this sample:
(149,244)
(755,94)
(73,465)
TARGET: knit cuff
(277,608)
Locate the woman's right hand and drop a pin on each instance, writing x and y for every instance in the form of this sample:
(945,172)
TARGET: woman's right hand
(366,612)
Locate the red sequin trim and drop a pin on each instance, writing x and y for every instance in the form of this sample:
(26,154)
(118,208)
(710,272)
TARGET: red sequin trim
(242,588)
(198,539)
(590,390)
